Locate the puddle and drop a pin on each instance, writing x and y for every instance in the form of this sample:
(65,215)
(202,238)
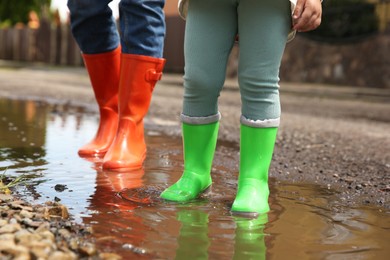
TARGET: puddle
(40,141)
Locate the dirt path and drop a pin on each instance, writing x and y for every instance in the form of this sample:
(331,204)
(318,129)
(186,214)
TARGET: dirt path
(338,137)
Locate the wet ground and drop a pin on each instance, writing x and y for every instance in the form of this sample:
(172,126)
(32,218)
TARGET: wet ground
(329,182)
(307,221)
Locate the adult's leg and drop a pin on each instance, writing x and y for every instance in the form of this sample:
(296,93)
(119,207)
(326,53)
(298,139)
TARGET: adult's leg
(94,29)
(93,26)
(142,28)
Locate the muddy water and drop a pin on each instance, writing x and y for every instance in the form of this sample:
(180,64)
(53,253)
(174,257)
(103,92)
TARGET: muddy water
(40,141)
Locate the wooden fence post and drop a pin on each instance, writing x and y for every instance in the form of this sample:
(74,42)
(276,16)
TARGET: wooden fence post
(8,44)
(44,42)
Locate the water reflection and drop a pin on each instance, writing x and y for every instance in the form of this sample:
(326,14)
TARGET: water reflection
(22,139)
(250,238)
(305,221)
(110,217)
(193,241)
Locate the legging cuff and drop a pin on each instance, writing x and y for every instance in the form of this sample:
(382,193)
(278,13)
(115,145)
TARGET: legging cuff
(200,120)
(266,123)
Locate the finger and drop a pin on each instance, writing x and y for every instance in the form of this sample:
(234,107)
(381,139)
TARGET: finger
(298,9)
(304,20)
(312,24)
(309,19)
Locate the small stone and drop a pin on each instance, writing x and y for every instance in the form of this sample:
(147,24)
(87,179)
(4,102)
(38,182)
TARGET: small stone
(24,237)
(56,210)
(59,255)
(11,248)
(5,197)
(14,220)
(7,237)
(386,189)
(87,249)
(41,249)
(60,187)
(73,244)
(109,256)
(47,235)
(26,214)
(64,233)
(31,223)
(3,222)
(349,180)
(10,228)
(44,226)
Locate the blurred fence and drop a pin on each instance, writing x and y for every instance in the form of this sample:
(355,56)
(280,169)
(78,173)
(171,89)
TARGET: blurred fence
(49,43)
(54,44)
(364,63)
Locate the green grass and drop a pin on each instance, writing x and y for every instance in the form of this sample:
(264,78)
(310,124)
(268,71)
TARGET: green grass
(6,183)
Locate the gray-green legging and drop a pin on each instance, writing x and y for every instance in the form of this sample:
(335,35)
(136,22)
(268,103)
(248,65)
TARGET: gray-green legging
(211,28)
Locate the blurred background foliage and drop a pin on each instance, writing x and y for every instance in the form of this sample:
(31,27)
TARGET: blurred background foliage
(343,20)
(349,48)
(13,12)
(351,20)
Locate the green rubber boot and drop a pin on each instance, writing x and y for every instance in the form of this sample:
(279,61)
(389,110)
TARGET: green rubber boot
(256,149)
(199,143)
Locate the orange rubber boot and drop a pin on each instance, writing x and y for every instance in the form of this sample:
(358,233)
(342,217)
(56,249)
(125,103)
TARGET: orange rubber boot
(103,70)
(138,77)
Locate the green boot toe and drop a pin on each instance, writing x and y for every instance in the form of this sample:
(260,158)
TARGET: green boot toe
(189,187)
(251,199)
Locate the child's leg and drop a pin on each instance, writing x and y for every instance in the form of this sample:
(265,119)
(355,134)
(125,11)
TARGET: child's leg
(210,31)
(263,30)
(211,27)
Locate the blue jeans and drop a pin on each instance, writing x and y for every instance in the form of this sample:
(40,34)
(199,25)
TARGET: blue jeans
(142,26)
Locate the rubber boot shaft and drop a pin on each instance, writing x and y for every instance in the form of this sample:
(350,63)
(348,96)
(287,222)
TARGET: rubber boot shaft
(138,77)
(256,149)
(103,70)
(199,142)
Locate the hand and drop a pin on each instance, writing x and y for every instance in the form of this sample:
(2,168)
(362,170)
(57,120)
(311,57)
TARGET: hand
(307,15)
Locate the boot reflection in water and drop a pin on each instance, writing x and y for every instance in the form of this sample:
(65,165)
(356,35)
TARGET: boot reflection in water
(250,238)
(123,69)
(109,184)
(193,240)
(112,215)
